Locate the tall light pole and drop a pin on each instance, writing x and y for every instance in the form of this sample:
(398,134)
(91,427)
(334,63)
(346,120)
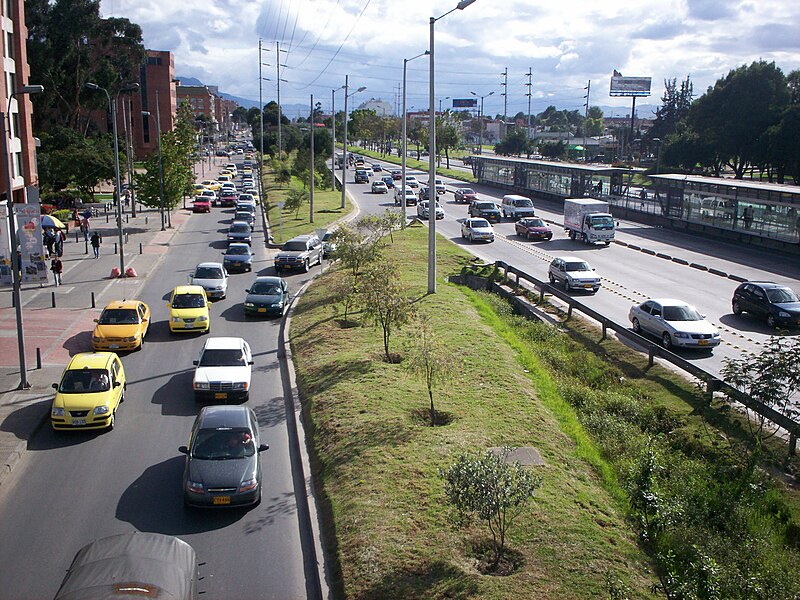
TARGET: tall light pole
(333,136)
(344,162)
(160,167)
(432,150)
(405,136)
(588,89)
(657,142)
(440,102)
(311,167)
(480,121)
(5,132)
(127,87)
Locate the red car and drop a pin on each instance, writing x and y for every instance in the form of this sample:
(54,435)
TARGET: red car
(397,175)
(465,195)
(228,199)
(201,204)
(533,228)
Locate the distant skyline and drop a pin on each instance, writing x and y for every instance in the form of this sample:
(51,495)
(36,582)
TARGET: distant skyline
(564,44)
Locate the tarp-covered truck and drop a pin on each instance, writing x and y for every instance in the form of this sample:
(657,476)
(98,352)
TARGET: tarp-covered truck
(588,220)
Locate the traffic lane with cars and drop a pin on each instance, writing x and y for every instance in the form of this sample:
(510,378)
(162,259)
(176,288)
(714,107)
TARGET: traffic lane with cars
(83,486)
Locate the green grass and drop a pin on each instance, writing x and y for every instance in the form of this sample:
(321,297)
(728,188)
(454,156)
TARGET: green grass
(416,164)
(376,461)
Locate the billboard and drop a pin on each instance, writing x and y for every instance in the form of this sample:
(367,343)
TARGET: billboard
(630,86)
(29,237)
(465,103)
(5,245)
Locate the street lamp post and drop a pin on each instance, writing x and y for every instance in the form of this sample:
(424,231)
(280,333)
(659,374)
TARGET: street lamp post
(405,136)
(480,121)
(128,87)
(440,102)
(432,152)
(657,142)
(160,167)
(344,162)
(5,132)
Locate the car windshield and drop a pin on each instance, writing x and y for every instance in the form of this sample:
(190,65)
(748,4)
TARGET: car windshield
(478,223)
(467,191)
(119,316)
(265,288)
(578,266)
(486,205)
(84,380)
(238,250)
(240,228)
(327,236)
(602,222)
(188,301)
(223,443)
(534,223)
(523,203)
(781,295)
(294,246)
(208,273)
(222,357)
(681,313)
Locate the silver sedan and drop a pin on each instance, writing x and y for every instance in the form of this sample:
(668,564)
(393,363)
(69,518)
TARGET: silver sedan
(675,322)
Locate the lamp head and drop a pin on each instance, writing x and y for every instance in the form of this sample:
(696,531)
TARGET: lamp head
(130,87)
(30,89)
(145,113)
(361,89)
(91,86)
(464,4)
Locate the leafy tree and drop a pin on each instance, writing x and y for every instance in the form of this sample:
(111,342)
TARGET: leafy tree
(347,294)
(784,144)
(515,143)
(553,149)
(675,104)
(385,302)
(379,226)
(295,198)
(493,490)
(594,124)
(352,250)
(69,159)
(447,136)
(418,135)
(430,359)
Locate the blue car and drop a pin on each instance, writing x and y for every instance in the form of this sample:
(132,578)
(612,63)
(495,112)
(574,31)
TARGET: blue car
(238,257)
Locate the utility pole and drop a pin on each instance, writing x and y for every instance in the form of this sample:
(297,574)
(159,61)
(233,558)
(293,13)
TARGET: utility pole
(344,147)
(333,137)
(311,168)
(586,116)
(278,70)
(260,114)
(528,85)
(505,97)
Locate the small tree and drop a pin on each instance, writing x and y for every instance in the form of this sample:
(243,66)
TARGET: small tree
(771,377)
(352,250)
(430,359)
(384,301)
(380,226)
(295,198)
(346,293)
(493,490)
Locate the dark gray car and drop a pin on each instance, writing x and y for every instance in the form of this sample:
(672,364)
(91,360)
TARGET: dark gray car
(267,296)
(223,458)
(239,231)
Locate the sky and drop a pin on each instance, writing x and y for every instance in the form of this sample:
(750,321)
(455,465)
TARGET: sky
(565,44)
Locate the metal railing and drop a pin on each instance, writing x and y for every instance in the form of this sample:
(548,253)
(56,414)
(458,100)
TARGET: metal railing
(711,381)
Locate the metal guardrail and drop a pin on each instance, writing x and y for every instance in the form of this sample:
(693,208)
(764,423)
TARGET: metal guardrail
(712,382)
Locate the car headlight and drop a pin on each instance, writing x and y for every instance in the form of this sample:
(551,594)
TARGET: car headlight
(100,410)
(277,305)
(249,305)
(715,334)
(681,334)
(241,385)
(129,339)
(201,385)
(783,314)
(194,486)
(202,318)
(97,339)
(57,412)
(176,319)
(249,484)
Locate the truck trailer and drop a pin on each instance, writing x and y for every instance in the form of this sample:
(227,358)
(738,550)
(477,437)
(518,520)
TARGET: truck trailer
(588,220)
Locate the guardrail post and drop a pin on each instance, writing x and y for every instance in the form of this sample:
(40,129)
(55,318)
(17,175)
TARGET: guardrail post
(651,356)
(792,444)
(569,311)
(603,323)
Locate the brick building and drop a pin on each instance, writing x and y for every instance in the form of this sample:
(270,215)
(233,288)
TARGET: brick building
(157,81)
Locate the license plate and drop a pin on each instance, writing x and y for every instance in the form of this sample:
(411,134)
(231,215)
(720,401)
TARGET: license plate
(587,285)
(79,421)
(188,325)
(220,395)
(262,310)
(702,342)
(221,500)
(113,346)
(237,264)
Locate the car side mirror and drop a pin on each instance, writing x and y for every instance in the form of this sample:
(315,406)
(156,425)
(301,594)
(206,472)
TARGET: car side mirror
(183,449)
(55,386)
(117,384)
(195,362)
(263,447)
(247,291)
(96,320)
(251,362)
(703,316)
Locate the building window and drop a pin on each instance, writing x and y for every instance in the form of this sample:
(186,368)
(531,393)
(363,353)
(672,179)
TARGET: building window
(154,60)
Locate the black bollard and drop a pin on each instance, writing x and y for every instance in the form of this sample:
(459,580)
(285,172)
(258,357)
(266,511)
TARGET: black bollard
(93,304)
(106,217)
(140,248)
(38,358)
(53,299)
(115,247)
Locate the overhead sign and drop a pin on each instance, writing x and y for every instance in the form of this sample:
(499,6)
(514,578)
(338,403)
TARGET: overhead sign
(630,86)
(465,103)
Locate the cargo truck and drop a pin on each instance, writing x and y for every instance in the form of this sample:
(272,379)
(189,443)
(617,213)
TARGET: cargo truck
(588,220)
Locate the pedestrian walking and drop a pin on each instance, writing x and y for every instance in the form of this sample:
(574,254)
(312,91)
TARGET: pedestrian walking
(61,237)
(85,228)
(95,241)
(49,240)
(56,267)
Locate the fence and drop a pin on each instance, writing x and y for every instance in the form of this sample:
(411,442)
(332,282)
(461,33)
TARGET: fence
(711,381)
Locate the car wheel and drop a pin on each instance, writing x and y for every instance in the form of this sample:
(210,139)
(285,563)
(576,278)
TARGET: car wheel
(771,321)
(111,422)
(305,266)
(666,340)
(636,326)
(585,239)
(566,285)
(528,236)
(552,279)
(737,309)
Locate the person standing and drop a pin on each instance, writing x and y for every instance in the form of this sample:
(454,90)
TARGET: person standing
(85,228)
(57,268)
(59,243)
(95,241)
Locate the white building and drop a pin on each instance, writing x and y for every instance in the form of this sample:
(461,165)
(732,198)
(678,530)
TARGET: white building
(381,107)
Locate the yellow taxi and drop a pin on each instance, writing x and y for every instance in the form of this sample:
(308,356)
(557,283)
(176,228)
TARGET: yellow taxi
(211,184)
(91,389)
(122,326)
(247,171)
(223,177)
(188,309)
(199,187)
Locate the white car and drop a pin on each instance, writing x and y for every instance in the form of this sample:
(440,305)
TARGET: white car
(422,210)
(212,277)
(223,370)
(411,197)
(573,273)
(439,185)
(675,322)
(477,229)
(411,181)
(379,187)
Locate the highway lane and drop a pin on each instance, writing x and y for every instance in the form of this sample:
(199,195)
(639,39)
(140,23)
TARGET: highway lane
(629,276)
(71,489)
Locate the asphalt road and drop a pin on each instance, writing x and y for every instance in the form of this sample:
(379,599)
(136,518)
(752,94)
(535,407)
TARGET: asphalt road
(628,276)
(71,489)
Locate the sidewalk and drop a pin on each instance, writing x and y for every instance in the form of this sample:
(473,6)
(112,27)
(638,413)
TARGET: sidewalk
(58,333)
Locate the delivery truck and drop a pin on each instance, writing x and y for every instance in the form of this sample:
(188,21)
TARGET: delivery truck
(588,220)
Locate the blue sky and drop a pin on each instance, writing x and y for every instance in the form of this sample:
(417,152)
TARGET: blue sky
(564,44)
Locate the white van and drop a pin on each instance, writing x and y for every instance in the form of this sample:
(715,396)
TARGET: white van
(516,207)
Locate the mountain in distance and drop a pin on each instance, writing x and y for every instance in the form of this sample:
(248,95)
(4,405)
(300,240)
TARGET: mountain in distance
(292,111)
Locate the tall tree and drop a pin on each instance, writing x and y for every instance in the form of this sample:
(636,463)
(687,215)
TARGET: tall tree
(675,103)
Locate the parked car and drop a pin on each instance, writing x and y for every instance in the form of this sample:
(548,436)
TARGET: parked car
(188,309)
(212,277)
(238,257)
(465,195)
(91,389)
(240,231)
(486,209)
(223,458)
(267,296)
(411,198)
(387,179)
(573,273)
(121,326)
(477,229)
(675,323)
(777,304)
(300,252)
(533,228)
(379,187)
(423,209)
(361,176)
(223,370)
